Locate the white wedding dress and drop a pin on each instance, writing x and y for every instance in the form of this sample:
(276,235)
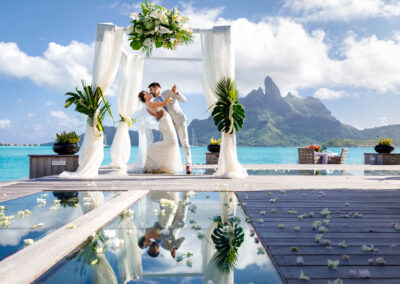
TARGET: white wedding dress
(164,156)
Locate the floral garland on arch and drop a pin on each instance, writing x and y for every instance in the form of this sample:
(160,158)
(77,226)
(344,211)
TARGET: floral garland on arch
(159,27)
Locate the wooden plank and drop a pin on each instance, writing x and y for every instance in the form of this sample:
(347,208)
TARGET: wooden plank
(40,167)
(47,166)
(32,171)
(384,272)
(321,260)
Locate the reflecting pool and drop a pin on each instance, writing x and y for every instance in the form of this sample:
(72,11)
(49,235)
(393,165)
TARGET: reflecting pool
(170,237)
(26,219)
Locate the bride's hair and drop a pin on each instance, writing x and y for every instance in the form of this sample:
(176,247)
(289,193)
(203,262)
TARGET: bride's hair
(141,96)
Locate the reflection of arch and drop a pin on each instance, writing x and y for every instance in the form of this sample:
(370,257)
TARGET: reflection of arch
(218,62)
(228,204)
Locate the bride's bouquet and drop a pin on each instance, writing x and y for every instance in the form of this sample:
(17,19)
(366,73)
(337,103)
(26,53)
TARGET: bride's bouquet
(159,27)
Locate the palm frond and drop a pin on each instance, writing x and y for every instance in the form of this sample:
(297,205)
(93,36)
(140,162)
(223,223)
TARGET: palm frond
(92,104)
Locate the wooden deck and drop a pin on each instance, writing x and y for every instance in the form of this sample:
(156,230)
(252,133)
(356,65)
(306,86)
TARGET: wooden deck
(379,209)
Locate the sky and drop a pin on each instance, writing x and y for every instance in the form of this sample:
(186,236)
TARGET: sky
(344,52)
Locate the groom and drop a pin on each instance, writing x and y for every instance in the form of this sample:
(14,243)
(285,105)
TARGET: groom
(178,118)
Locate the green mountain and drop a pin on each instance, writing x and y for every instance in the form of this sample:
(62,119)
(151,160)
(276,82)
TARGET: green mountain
(273,120)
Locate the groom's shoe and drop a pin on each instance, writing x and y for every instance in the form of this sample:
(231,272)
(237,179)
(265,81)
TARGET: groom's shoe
(188,170)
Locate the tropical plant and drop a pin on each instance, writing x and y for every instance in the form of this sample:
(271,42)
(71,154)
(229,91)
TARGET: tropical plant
(92,104)
(67,137)
(159,27)
(385,142)
(215,142)
(228,113)
(227,237)
(95,246)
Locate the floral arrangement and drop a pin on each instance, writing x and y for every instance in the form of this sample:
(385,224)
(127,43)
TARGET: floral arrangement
(316,148)
(385,142)
(159,27)
(227,237)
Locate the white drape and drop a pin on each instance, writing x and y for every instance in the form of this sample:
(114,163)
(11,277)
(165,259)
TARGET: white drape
(130,82)
(130,255)
(106,61)
(218,62)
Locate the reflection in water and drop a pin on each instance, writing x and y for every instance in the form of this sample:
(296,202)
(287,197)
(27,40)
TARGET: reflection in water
(47,212)
(181,225)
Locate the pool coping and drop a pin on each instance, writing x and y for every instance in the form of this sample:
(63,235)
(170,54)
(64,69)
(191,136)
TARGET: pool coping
(29,263)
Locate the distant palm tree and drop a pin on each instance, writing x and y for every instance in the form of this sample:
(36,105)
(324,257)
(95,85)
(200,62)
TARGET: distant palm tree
(89,103)
(228,113)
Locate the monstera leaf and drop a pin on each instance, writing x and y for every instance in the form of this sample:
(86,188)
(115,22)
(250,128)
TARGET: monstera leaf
(227,237)
(228,113)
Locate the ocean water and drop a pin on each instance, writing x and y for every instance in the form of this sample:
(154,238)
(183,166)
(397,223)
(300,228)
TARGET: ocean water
(14,161)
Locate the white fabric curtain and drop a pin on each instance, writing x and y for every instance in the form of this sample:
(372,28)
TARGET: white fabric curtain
(218,61)
(106,61)
(130,82)
(130,255)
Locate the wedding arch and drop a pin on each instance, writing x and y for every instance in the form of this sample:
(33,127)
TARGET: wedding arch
(111,54)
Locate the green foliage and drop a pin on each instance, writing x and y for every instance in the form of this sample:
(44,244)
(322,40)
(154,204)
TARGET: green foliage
(227,237)
(385,142)
(92,104)
(67,137)
(228,107)
(159,27)
(215,142)
(95,246)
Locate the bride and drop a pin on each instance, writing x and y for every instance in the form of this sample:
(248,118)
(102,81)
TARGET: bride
(163,156)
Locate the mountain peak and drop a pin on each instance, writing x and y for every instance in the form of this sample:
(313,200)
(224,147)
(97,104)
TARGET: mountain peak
(271,89)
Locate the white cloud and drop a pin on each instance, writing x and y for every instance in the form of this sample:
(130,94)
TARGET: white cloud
(30,114)
(64,120)
(60,67)
(317,10)
(327,94)
(5,123)
(279,47)
(384,120)
(49,103)
(59,114)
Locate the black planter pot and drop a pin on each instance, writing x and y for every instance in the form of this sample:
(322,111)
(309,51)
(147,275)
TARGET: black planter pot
(384,149)
(66,148)
(213,148)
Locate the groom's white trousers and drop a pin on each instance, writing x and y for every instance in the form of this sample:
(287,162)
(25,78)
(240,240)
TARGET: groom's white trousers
(182,131)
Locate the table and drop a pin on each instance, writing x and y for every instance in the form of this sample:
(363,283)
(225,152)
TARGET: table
(325,156)
(381,159)
(48,165)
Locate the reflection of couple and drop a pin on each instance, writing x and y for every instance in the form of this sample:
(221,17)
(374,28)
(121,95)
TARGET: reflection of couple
(164,156)
(171,220)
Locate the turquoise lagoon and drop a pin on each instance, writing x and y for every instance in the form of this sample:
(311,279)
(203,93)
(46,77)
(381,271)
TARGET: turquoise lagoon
(14,161)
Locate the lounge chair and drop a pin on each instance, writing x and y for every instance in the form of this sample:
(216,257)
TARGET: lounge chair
(306,156)
(339,159)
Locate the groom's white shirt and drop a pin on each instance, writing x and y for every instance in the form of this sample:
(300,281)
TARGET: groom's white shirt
(179,120)
(173,107)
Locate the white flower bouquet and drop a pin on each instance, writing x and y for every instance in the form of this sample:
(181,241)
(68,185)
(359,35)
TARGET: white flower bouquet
(159,27)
